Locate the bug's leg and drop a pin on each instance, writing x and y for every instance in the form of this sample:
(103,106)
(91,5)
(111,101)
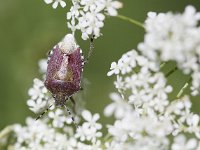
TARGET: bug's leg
(74,104)
(40,116)
(91,46)
(73,101)
(91,49)
(86,60)
(70,114)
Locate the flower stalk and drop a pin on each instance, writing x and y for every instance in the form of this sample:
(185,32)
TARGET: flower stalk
(171,72)
(180,93)
(133,21)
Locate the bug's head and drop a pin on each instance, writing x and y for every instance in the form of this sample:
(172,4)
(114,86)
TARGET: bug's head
(60,99)
(68,44)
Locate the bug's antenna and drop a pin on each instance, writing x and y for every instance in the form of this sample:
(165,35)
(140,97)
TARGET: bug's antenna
(70,114)
(44,112)
(91,47)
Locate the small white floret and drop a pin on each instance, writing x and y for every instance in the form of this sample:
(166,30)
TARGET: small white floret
(55,3)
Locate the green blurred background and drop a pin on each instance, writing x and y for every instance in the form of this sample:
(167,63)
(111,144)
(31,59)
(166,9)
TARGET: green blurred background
(28,29)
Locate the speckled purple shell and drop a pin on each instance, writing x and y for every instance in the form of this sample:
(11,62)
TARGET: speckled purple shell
(71,84)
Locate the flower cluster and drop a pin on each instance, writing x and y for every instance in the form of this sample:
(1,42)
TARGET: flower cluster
(176,38)
(144,121)
(145,116)
(42,136)
(146,88)
(38,135)
(88,15)
(89,131)
(40,98)
(55,3)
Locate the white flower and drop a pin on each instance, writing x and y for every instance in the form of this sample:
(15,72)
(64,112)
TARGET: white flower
(96,145)
(40,99)
(193,124)
(89,130)
(39,135)
(91,5)
(181,143)
(145,88)
(149,113)
(42,65)
(37,90)
(112,6)
(119,84)
(32,135)
(150,143)
(145,117)
(175,37)
(80,133)
(84,132)
(91,120)
(114,69)
(74,10)
(55,3)
(119,107)
(129,61)
(58,117)
(90,23)
(182,118)
(88,16)
(73,14)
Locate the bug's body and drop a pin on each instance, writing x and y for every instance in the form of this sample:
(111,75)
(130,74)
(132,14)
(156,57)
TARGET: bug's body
(63,75)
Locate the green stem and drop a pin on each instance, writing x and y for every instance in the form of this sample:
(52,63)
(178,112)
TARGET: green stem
(171,72)
(183,88)
(135,22)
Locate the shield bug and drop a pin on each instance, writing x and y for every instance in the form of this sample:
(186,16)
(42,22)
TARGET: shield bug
(63,76)
(64,70)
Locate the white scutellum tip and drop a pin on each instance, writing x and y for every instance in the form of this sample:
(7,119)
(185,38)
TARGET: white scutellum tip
(68,44)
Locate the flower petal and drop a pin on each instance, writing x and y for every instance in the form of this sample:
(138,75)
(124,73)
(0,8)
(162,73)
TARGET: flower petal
(55,5)
(87,115)
(48,1)
(63,4)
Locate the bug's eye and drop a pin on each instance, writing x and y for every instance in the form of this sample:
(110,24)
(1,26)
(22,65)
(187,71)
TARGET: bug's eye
(68,44)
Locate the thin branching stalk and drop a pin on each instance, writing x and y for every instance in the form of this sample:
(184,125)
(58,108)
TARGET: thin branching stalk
(171,72)
(133,21)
